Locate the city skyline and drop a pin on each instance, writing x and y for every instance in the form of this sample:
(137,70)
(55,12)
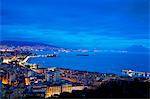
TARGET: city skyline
(77,24)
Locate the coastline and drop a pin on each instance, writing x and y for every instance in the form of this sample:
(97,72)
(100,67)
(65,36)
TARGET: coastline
(55,80)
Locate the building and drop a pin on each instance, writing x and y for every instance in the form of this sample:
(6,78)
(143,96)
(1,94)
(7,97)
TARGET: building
(53,77)
(53,90)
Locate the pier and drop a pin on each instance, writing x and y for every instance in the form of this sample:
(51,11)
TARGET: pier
(28,57)
(132,73)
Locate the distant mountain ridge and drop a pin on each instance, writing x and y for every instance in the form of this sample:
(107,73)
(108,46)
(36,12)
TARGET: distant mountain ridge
(137,48)
(133,48)
(24,43)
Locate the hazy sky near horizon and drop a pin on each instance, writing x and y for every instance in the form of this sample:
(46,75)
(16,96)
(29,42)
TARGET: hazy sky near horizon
(77,23)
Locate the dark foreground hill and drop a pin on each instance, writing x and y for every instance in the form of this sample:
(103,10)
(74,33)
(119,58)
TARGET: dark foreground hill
(113,89)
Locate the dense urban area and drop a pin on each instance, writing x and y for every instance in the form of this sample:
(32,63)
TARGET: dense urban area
(18,78)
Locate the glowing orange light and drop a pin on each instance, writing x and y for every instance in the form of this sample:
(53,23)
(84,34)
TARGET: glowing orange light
(27,81)
(4,80)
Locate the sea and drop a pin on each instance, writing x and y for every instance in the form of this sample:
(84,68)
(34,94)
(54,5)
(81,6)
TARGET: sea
(103,62)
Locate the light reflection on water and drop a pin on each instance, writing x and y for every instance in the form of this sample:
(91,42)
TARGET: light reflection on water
(97,62)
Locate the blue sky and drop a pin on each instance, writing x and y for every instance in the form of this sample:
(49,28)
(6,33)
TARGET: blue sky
(76,23)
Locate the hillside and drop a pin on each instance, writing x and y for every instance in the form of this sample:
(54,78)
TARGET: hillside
(23,43)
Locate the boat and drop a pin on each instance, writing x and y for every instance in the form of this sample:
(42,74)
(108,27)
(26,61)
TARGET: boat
(51,55)
(82,55)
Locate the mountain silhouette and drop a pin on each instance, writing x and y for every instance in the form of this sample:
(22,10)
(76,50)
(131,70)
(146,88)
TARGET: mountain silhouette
(24,43)
(137,48)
